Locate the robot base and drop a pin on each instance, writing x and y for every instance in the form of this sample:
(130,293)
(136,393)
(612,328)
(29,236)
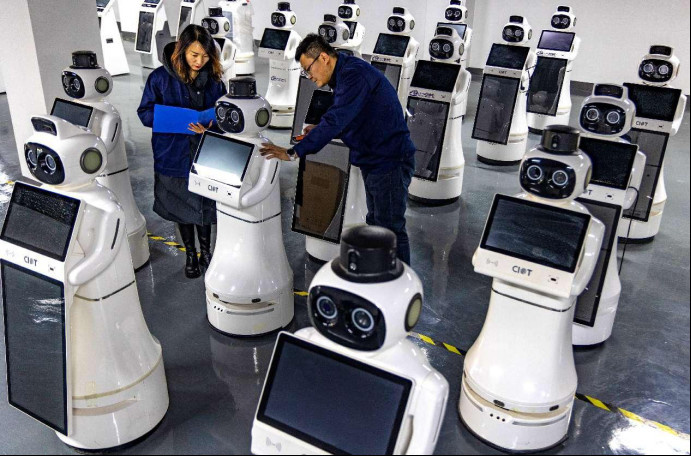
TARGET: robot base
(252,319)
(446,190)
(500,154)
(282,119)
(642,232)
(538,122)
(322,251)
(139,247)
(99,428)
(244,64)
(511,431)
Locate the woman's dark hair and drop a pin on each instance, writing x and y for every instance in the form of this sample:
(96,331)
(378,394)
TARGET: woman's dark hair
(188,36)
(312,46)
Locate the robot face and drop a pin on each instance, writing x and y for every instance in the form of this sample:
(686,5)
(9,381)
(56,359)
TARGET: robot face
(548,178)
(456,13)
(217,27)
(86,83)
(333,33)
(447,45)
(608,112)
(563,21)
(657,70)
(348,11)
(514,33)
(44,164)
(401,21)
(280,19)
(242,111)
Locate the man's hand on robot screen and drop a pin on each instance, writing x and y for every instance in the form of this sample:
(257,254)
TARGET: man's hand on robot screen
(308,128)
(199,128)
(270,151)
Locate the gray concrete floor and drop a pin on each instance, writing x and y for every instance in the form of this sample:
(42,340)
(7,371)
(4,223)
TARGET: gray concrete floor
(215,381)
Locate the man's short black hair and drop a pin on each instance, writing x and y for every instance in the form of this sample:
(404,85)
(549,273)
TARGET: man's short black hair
(312,46)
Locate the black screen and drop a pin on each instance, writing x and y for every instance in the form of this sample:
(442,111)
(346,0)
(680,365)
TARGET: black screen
(392,72)
(654,146)
(556,41)
(75,113)
(34,310)
(435,76)
(495,108)
(40,220)
(426,121)
(505,56)
(321,101)
(331,401)
(145,31)
(659,103)
(185,18)
(546,85)
(102,3)
(460,28)
(534,232)
(275,39)
(224,154)
(394,45)
(352,27)
(612,161)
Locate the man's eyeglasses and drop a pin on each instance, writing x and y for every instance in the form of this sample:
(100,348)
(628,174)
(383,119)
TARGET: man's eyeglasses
(306,71)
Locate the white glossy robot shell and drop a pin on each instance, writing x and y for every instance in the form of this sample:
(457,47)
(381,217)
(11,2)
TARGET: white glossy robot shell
(659,67)
(516,32)
(553,177)
(608,112)
(563,20)
(243,116)
(218,27)
(401,21)
(87,83)
(62,154)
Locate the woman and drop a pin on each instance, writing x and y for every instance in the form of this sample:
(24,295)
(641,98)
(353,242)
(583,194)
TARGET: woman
(190,78)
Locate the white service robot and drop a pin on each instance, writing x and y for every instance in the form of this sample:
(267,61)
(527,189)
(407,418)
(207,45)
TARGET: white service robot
(218,26)
(659,111)
(114,58)
(239,14)
(153,33)
(278,44)
(80,357)
(541,248)
(617,171)
(345,32)
(88,85)
(249,283)
(354,383)
(395,53)
(501,122)
(549,93)
(456,16)
(191,13)
(438,92)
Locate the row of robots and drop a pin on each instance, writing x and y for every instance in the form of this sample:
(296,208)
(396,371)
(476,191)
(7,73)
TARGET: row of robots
(101,381)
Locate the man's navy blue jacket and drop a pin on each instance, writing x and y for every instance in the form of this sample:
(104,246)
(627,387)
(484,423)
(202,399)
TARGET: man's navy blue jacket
(172,151)
(367,114)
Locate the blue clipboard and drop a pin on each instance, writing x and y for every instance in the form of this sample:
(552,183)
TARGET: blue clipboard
(171,119)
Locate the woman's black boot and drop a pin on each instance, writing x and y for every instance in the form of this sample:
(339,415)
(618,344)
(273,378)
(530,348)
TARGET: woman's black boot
(191,262)
(204,237)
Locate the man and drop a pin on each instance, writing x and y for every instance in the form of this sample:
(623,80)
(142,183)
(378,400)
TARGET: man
(367,117)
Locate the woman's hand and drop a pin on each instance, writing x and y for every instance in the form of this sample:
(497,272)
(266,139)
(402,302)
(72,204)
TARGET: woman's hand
(199,128)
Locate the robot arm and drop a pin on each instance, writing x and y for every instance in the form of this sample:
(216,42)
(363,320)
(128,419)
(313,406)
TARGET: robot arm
(268,179)
(576,48)
(679,116)
(110,130)
(593,244)
(464,86)
(106,236)
(413,49)
(636,179)
(428,414)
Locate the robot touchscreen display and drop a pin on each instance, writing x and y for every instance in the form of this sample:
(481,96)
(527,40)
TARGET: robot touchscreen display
(352,26)
(426,121)
(394,45)
(145,31)
(321,101)
(74,113)
(185,18)
(460,28)
(654,145)
(545,88)
(275,39)
(221,153)
(612,161)
(35,336)
(495,110)
(435,76)
(556,41)
(392,72)
(41,221)
(102,3)
(332,401)
(511,57)
(534,232)
(659,103)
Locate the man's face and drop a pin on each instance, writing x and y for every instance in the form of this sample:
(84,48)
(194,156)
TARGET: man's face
(318,70)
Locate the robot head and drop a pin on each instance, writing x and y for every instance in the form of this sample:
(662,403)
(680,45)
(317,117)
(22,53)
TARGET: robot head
(62,154)
(283,17)
(456,12)
(446,45)
(243,111)
(353,304)
(401,21)
(608,111)
(349,11)
(556,169)
(564,19)
(517,31)
(660,66)
(334,33)
(216,23)
(84,79)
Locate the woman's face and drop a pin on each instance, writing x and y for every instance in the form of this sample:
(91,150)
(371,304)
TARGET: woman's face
(196,56)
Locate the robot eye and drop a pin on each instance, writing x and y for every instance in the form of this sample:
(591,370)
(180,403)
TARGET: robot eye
(234,116)
(392,22)
(458,14)
(560,178)
(535,173)
(221,113)
(362,320)
(346,35)
(648,68)
(435,47)
(519,33)
(31,158)
(447,47)
(91,161)
(322,32)
(263,118)
(401,24)
(565,21)
(327,309)
(75,84)
(413,313)
(50,165)
(664,70)
(613,117)
(102,85)
(555,21)
(592,114)
(509,32)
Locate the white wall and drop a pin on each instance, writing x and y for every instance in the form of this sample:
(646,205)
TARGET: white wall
(615,33)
